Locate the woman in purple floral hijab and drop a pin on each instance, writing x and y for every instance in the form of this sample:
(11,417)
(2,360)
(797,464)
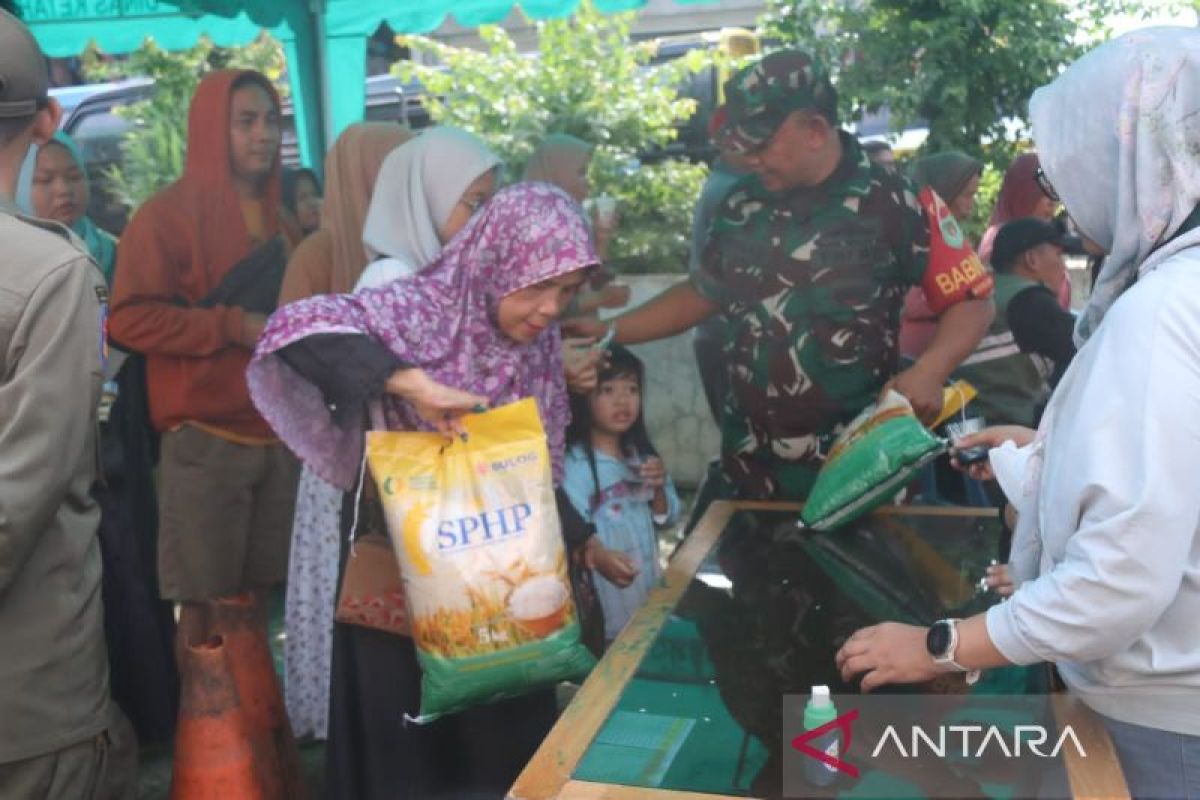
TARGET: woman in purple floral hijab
(448,322)
(475,327)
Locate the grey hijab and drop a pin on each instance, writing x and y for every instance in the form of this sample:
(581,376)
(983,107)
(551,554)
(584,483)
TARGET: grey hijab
(1118,135)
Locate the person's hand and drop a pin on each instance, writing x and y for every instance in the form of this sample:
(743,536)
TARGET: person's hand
(922,389)
(990,438)
(999,580)
(439,405)
(584,326)
(654,473)
(616,567)
(601,276)
(582,365)
(252,328)
(615,295)
(885,654)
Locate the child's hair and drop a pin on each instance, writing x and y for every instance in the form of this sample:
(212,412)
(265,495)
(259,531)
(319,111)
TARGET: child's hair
(621,364)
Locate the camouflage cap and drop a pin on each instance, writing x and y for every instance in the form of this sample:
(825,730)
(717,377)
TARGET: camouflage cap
(759,97)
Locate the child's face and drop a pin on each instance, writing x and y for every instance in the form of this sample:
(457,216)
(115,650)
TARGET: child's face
(616,404)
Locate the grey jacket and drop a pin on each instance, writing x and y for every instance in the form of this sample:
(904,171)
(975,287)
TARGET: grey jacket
(53,665)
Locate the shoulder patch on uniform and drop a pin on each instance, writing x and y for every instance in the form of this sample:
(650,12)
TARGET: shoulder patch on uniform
(102,299)
(954,272)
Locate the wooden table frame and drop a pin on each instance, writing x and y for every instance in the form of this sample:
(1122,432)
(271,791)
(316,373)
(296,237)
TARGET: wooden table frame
(548,774)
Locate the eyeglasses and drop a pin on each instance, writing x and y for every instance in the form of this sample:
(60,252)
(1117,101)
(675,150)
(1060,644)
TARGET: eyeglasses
(1044,184)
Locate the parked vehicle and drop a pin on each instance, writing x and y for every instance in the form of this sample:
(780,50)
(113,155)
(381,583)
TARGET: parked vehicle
(92,119)
(96,126)
(705,87)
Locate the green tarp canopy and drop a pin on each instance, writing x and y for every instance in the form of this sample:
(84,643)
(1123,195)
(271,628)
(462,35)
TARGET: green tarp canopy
(325,40)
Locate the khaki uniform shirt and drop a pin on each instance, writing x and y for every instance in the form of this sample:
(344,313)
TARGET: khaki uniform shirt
(53,664)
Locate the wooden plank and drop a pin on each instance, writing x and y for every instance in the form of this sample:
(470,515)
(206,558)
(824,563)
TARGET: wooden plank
(766,505)
(937,511)
(1099,776)
(914,511)
(550,769)
(582,790)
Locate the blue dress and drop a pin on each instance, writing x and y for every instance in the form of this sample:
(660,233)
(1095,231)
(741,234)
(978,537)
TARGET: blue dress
(624,522)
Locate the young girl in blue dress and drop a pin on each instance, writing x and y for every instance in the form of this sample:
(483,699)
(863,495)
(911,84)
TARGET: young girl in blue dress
(617,481)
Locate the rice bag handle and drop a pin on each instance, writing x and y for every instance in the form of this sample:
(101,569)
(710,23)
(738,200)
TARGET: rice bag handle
(479,409)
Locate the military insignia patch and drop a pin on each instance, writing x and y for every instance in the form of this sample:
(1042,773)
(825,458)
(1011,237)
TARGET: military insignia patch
(102,299)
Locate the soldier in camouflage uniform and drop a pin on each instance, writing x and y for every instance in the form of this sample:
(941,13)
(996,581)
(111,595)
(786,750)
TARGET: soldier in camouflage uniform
(809,258)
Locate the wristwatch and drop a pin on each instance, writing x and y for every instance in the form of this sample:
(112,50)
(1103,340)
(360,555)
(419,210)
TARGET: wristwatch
(942,644)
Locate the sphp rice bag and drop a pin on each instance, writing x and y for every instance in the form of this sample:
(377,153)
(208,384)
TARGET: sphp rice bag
(877,454)
(475,527)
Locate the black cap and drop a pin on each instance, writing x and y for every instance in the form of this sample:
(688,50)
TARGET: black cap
(1024,234)
(24,81)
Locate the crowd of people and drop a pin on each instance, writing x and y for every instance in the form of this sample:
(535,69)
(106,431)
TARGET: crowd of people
(256,330)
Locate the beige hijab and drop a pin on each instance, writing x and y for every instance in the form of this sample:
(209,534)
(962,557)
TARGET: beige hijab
(330,261)
(557,159)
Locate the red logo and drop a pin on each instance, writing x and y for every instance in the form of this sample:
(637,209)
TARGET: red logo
(842,723)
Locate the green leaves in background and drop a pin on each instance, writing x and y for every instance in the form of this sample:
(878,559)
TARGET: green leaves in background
(589,79)
(967,67)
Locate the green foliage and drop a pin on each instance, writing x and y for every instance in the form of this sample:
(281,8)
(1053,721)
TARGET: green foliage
(153,150)
(966,66)
(590,80)
(985,201)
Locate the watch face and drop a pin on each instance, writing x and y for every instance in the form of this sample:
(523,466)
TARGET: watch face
(937,641)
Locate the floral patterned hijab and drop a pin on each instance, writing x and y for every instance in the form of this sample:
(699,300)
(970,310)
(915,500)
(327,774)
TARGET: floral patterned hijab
(1117,135)
(442,320)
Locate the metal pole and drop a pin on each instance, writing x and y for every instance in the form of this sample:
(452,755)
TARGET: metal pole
(316,10)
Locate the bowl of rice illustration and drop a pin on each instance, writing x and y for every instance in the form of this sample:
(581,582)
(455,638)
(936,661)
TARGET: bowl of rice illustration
(539,604)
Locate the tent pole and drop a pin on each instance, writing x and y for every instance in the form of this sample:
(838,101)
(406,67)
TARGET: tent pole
(316,10)
(305,72)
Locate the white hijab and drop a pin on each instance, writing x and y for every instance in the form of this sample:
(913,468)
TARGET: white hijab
(1118,135)
(418,187)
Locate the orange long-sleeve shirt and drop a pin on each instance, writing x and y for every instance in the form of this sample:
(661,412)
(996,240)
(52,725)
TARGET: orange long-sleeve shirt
(176,249)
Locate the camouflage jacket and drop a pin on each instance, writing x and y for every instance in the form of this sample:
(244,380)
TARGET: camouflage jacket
(811,283)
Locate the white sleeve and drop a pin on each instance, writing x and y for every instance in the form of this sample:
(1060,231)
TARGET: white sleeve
(382,272)
(1119,504)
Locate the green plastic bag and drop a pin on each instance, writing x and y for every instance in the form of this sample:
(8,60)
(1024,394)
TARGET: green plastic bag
(877,454)
(476,531)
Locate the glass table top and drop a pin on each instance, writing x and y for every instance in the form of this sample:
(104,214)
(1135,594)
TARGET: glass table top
(763,617)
